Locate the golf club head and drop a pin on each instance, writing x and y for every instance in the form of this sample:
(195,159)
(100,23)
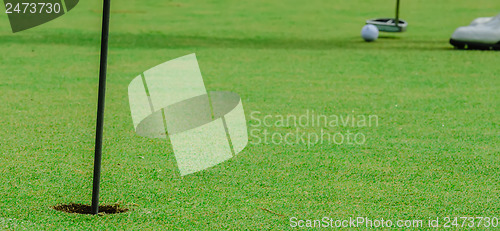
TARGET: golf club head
(24,14)
(388,24)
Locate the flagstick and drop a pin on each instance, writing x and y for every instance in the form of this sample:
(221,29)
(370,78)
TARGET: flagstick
(100,107)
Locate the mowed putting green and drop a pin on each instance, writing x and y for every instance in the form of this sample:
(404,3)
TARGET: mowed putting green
(433,154)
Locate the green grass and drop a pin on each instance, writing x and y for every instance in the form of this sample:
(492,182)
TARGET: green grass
(434,153)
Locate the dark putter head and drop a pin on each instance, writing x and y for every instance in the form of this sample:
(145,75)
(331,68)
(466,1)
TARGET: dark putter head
(390,24)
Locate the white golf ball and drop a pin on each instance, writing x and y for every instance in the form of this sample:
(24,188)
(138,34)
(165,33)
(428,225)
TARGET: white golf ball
(369,33)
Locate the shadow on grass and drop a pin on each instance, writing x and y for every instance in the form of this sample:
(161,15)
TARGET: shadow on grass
(389,37)
(162,41)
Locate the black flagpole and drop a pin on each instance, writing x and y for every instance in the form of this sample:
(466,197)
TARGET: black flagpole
(100,107)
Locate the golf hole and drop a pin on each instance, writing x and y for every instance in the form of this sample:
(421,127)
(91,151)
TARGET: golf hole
(86,209)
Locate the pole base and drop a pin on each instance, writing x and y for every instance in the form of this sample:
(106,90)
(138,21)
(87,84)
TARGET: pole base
(87,209)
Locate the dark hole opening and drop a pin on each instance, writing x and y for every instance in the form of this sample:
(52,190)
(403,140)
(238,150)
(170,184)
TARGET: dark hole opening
(86,209)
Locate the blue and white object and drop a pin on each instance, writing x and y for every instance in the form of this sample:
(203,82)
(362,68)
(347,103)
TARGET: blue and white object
(369,33)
